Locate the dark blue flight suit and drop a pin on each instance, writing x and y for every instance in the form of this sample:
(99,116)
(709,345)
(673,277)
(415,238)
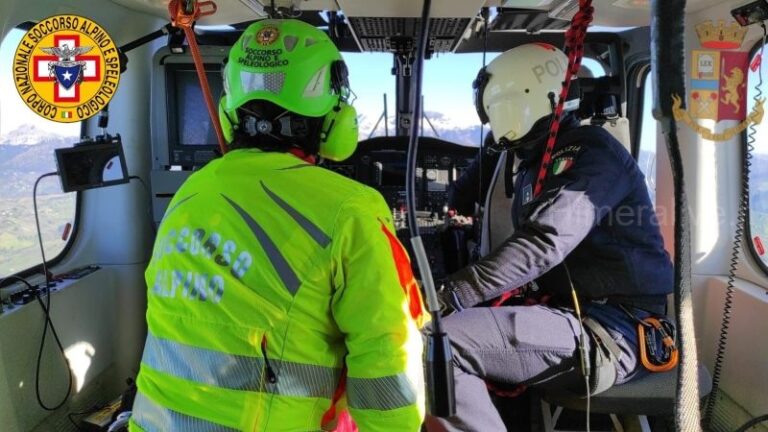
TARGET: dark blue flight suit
(594,215)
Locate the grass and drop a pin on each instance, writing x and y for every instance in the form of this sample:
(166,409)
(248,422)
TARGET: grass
(19,247)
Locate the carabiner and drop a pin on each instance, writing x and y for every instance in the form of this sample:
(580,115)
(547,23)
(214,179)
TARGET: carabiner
(647,342)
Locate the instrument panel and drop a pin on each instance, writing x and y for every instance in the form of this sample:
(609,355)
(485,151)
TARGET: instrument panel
(381,164)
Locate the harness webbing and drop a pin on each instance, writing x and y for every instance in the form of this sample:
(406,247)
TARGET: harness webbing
(183,14)
(574,48)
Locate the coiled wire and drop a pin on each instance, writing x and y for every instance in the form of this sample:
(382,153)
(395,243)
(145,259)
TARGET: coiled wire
(741,221)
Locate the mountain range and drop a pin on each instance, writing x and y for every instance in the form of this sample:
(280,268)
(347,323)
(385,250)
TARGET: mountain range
(25,154)
(28,152)
(446,128)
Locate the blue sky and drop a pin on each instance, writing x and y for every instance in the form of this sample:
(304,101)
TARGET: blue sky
(447,84)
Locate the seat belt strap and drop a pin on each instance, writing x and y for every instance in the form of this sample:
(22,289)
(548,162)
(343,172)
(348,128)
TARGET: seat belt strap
(606,355)
(604,338)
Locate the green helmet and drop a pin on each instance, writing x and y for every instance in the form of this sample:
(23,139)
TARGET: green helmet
(297,67)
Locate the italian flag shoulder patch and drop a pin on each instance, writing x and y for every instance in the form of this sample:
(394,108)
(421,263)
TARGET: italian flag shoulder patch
(562,165)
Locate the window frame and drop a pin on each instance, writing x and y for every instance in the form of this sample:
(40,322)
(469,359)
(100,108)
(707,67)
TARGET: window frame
(638,73)
(744,147)
(8,280)
(38,268)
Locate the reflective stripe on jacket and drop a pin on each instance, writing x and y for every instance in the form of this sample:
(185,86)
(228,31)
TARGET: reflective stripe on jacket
(275,289)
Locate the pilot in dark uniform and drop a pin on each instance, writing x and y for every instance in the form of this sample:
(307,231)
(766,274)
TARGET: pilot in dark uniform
(592,226)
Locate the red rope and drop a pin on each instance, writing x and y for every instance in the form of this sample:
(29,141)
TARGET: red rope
(574,48)
(179,18)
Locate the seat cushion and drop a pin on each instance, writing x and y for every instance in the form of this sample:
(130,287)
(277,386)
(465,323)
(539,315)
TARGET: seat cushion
(651,394)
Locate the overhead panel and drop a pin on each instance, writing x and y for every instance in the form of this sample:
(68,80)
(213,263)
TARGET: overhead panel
(527,4)
(229,11)
(532,21)
(379,34)
(410,8)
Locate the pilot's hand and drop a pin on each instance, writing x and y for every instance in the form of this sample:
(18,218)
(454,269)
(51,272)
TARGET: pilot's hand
(447,300)
(453,219)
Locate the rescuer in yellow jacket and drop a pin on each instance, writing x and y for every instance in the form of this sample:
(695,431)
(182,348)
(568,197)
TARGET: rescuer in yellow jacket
(278,294)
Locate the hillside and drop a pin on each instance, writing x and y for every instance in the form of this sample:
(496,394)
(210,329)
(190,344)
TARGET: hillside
(25,154)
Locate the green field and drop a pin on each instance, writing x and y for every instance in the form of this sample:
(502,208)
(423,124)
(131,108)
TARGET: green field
(19,247)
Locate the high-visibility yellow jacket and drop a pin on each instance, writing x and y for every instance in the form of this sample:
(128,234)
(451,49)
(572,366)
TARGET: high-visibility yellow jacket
(277,293)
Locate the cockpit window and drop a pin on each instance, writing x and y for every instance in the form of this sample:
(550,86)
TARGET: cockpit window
(447,88)
(593,67)
(370,78)
(646,156)
(26,152)
(448,105)
(758,178)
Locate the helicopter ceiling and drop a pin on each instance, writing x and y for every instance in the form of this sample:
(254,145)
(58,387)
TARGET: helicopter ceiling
(393,25)
(614,13)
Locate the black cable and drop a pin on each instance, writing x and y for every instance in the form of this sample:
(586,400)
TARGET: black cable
(754,422)
(71,416)
(413,139)
(92,410)
(164,30)
(37,224)
(439,364)
(480,198)
(586,367)
(46,310)
(149,201)
(143,183)
(741,222)
(18,278)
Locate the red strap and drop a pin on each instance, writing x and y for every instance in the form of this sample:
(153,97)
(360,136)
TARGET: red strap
(507,393)
(500,300)
(301,154)
(574,47)
(330,415)
(179,18)
(406,278)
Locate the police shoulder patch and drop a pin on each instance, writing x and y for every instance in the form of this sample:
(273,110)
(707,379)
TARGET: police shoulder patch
(564,158)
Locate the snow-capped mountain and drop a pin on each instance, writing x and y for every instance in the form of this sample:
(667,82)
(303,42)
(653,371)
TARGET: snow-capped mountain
(463,131)
(27,134)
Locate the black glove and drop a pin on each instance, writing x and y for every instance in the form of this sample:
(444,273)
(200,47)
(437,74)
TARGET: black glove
(447,300)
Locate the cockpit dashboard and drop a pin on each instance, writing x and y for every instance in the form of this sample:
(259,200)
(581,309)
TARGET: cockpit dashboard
(381,164)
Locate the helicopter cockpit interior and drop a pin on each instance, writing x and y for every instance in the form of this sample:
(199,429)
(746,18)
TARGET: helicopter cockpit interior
(64,364)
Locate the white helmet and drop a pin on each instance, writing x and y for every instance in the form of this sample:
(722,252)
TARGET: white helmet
(519,88)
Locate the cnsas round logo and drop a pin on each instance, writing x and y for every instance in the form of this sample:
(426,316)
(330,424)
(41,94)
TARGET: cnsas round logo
(66,68)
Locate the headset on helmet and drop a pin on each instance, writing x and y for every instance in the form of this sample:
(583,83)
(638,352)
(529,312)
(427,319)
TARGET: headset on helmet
(519,89)
(297,67)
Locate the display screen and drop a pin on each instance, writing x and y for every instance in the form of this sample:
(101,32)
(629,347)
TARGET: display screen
(89,165)
(391,173)
(437,180)
(193,124)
